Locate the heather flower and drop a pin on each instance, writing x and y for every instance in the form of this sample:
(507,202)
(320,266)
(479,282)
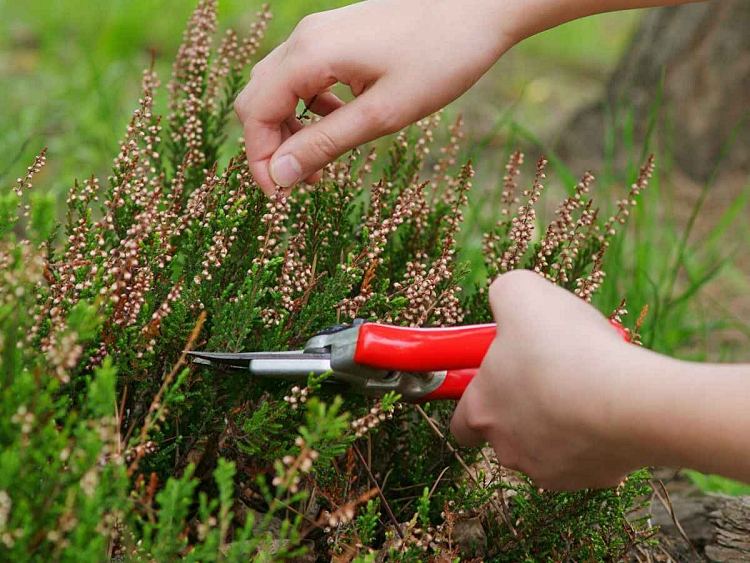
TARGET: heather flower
(252,41)
(448,155)
(376,415)
(522,225)
(26,182)
(297,396)
(291,468)
(563,230)
(495,241)
(277,211)
(625,205)
(186,87)
(379,231)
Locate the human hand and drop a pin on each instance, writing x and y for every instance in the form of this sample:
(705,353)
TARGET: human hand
(402,59)
(546,394)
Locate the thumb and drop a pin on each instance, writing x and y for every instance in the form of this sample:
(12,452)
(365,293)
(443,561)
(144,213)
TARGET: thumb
(311,148)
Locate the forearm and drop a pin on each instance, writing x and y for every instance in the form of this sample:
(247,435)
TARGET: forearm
(683,414)
(534,16)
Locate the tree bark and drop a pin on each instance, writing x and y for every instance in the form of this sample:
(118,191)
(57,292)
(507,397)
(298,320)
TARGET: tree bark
(698,57)
(717,526)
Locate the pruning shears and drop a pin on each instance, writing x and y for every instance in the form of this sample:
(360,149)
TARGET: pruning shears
(420,364)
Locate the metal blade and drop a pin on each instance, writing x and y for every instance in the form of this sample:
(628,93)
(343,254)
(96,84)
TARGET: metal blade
(246,357)
(293,366)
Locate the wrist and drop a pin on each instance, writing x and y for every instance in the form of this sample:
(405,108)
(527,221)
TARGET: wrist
(529,17)
(628,419)
(673,413)
(702,420)
(524,18)
(492,24)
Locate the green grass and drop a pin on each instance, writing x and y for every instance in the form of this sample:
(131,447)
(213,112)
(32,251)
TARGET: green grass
(717,484)
(588,45)
(71,72)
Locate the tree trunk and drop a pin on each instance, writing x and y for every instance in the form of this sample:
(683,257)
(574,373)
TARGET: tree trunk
(698,56)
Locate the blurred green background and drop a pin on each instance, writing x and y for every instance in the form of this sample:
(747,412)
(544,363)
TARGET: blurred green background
(70,72)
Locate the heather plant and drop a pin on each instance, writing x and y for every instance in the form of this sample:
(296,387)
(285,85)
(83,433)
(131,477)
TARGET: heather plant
(114,445)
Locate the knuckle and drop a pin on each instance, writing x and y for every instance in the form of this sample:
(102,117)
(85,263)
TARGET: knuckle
(305,23)
(476,423)
(308,23)
(380,116)
(270,61)
(305,33)
(239,106)
(302,46)
(506,455)
(257,70)
(323,144)
(264,67)
(508,285)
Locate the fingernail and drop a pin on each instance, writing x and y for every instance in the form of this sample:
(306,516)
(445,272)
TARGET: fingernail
(286,170)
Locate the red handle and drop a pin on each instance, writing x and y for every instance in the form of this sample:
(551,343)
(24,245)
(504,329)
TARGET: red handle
(453,386)
(457,350)
(397,348)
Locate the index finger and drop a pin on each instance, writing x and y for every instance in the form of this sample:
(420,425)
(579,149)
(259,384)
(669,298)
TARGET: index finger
(464,426)
(267,101)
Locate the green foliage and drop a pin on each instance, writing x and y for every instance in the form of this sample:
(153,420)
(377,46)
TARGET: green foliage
(547,516)
(115,446)
(59,491)
(367,522)
(423,508)
(718,484)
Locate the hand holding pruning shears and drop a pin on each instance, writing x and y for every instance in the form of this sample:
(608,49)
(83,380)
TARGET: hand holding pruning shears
(558,392)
